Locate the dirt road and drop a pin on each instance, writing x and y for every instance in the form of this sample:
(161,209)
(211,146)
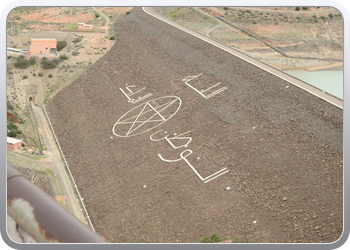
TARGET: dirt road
(55,163)
(104,16)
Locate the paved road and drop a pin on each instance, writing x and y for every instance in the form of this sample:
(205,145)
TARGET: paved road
(303,85)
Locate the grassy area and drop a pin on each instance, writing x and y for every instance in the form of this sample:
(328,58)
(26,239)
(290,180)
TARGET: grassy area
(16,161)
(31,156)
(72,26)
(57,186)
(12,159)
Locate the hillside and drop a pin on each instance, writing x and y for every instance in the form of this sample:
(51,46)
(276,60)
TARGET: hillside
(247,155)
(82,51)
(312,32)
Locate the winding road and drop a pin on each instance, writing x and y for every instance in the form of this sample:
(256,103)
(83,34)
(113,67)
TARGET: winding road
(103,15)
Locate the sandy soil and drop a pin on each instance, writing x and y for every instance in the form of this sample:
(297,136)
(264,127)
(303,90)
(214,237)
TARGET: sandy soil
(55,15)
(282,146)
(278,26)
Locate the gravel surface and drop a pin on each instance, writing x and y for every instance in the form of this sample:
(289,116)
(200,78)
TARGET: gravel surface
(282,146)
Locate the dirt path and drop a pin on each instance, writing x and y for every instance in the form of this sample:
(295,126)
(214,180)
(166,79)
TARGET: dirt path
(210,30)
(57,165)
(104,16)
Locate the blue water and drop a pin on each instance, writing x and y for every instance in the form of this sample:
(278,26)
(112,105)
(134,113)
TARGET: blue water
(330,81)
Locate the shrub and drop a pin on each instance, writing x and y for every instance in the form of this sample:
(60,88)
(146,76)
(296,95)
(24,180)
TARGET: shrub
(12,134)
(47,64)
(9,106)
(25,77)
(60,45)
(297,8)
(97,15)
(330,15)
(239,240)
(112,38)
(32,60)
(305,8)
(50,76)
(57,60)
(127,12)
(225,8)
(214,238)
(21,62)
(63,57)
(40,74)
(77,39)
(34,74)
(12,126)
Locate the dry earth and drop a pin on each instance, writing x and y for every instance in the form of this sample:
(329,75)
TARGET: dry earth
(283,147)
(83,50)
(43,22)
(297,33)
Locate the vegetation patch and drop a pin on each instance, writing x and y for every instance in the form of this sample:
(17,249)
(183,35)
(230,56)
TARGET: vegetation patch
(14,131)
(47,63)
(22,63)
(61,45)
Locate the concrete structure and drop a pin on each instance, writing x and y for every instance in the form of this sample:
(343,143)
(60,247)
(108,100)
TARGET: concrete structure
(83,26)
(43,46)
(13,143)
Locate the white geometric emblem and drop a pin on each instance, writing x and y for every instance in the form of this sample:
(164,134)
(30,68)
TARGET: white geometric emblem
(147,116)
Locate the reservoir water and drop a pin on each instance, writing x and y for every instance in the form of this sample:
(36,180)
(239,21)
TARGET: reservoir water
(329,81)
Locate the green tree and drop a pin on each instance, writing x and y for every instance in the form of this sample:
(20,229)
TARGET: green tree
(60,45)
(12,134)
(297,8)
(12,126)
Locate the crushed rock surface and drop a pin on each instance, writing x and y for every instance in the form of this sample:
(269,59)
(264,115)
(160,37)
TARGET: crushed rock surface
(285,174)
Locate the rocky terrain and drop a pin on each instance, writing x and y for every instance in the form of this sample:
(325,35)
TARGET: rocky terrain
(282,146)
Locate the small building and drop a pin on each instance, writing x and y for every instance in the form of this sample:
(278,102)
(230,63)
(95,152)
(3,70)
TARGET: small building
(43,46)
(83,26)
(13,143)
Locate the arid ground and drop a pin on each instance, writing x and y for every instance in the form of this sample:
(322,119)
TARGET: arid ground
(153,121)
